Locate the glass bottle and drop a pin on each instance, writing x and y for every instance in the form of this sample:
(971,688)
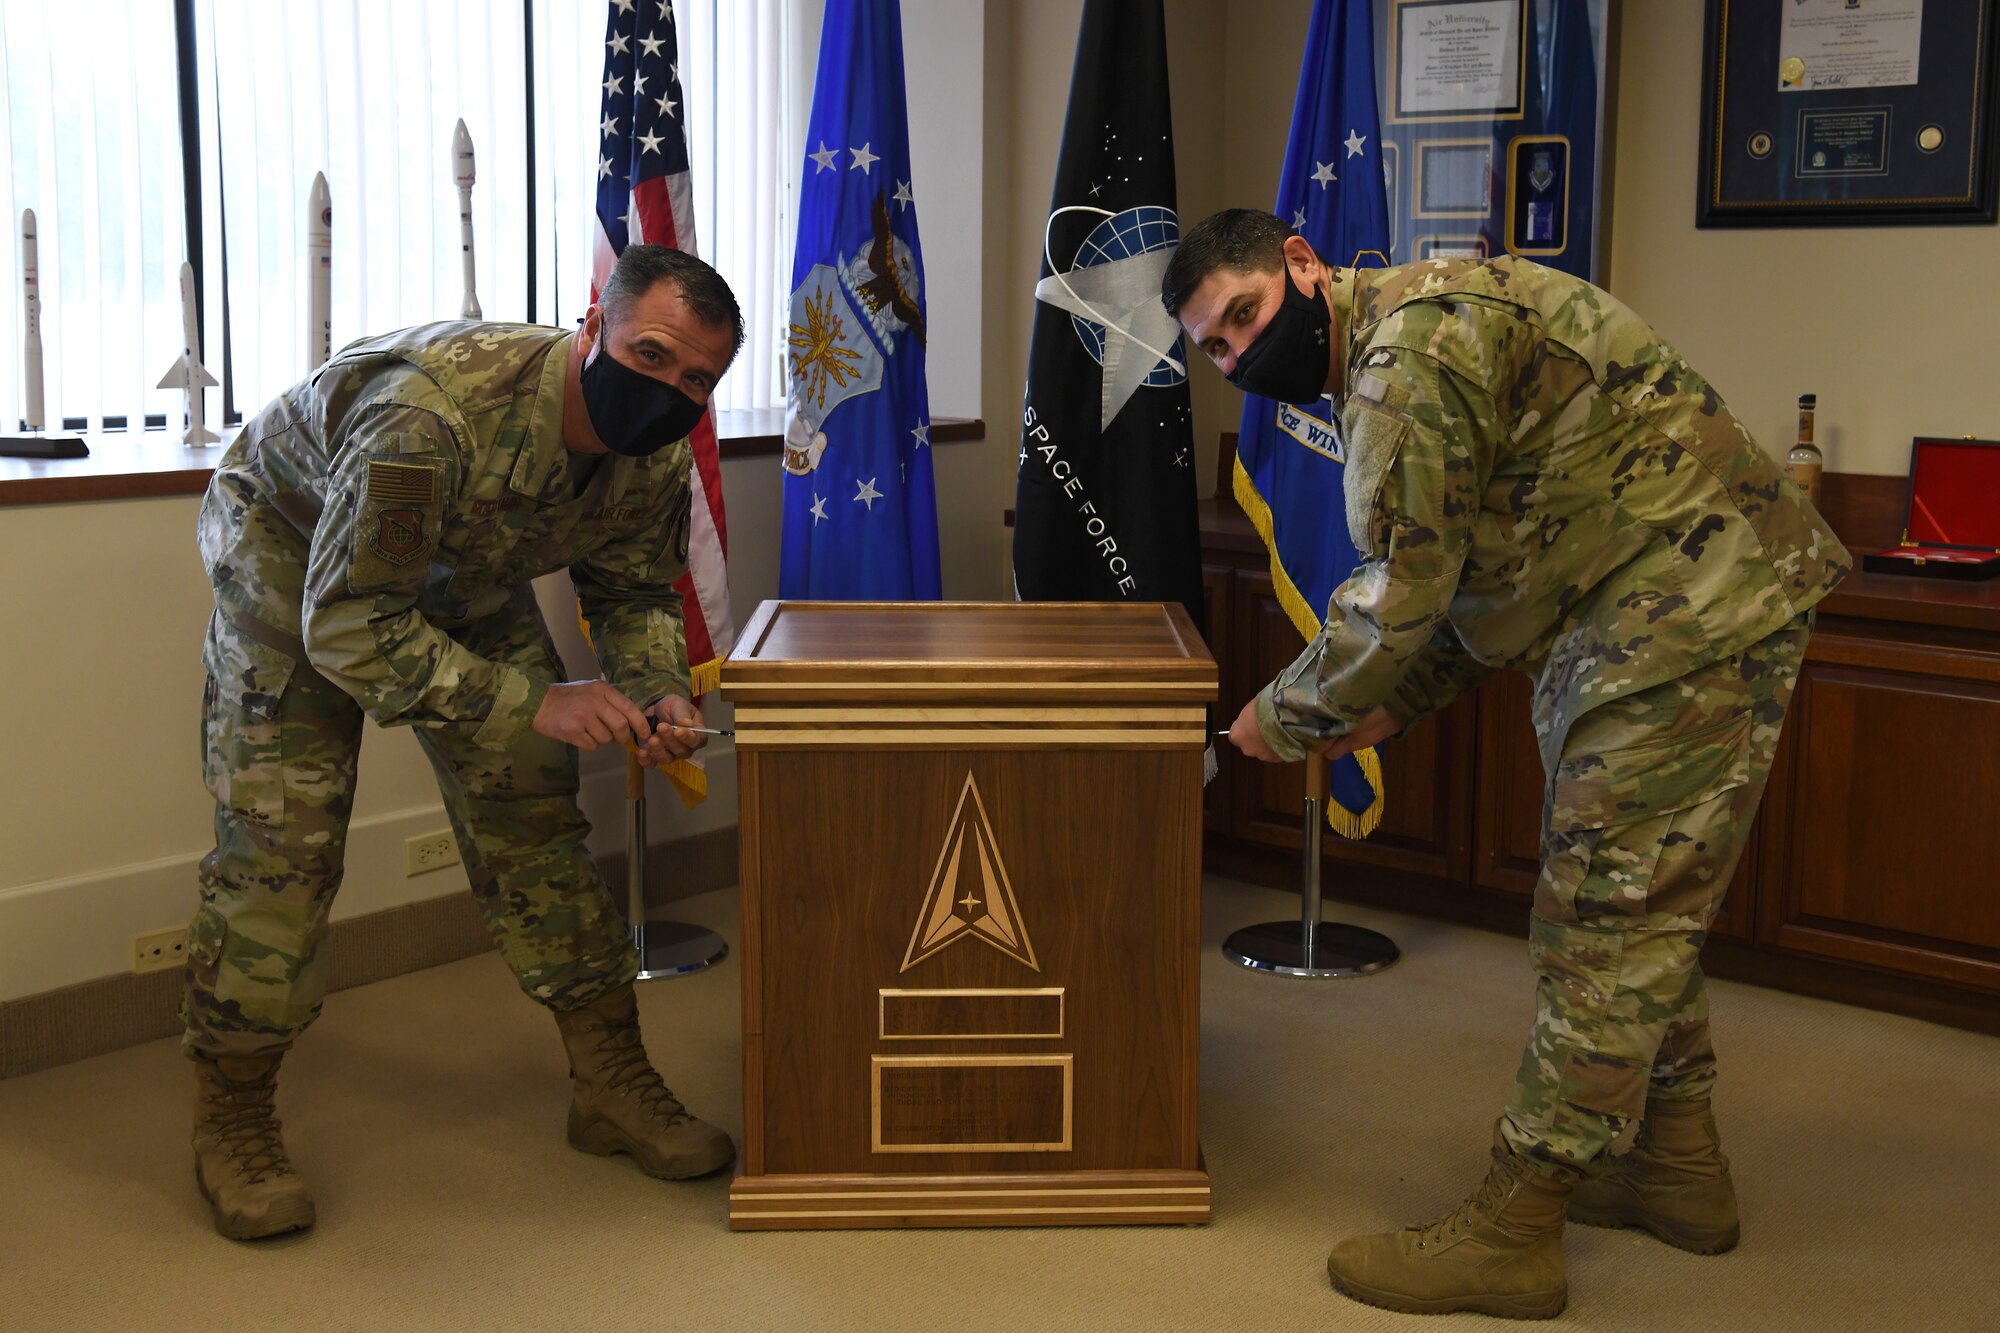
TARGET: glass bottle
(1805,461)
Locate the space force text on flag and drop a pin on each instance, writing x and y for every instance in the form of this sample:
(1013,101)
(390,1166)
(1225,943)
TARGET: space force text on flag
(1105,490)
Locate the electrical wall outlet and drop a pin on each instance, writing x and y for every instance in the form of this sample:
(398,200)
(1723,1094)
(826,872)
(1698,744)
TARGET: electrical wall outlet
(159,949)
(429,851)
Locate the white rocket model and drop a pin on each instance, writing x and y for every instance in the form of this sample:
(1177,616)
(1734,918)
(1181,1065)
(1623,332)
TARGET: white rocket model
(187,373)
(33,414)
(462,175)
(319,274)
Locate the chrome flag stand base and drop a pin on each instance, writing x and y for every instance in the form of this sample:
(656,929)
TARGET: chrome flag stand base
(666,948)
(1309,947)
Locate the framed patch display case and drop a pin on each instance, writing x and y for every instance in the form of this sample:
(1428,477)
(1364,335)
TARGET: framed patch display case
(1493,127)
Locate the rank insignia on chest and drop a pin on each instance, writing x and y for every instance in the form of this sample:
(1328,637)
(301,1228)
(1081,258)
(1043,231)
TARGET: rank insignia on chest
(399,534)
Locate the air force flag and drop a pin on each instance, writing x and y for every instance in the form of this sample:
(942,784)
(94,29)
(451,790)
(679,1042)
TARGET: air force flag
(1290,462)
(860,511)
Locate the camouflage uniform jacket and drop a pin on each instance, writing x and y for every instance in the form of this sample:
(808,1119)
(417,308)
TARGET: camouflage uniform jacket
(1535,480)
(415,484)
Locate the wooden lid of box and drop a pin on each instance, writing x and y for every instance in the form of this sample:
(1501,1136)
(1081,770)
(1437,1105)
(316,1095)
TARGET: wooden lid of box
(986,651)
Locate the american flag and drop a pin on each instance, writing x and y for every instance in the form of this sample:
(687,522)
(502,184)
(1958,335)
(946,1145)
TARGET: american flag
(644,196)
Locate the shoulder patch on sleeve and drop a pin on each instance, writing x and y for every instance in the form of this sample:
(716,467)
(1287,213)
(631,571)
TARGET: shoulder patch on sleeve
(407,483)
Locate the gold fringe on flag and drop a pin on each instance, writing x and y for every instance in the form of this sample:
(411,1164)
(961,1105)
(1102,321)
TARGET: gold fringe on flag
(1307,622)
(690,781)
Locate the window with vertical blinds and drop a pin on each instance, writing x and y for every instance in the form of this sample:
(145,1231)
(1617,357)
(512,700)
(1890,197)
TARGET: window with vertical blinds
(89,115)
(368,92)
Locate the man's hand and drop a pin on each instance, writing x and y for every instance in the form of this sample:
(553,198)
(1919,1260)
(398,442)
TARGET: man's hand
(1377,727)
(589,713)
(1246,736)
(669,742)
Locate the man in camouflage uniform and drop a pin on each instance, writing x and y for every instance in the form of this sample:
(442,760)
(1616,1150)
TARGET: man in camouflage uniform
(1536,481)
(370,537)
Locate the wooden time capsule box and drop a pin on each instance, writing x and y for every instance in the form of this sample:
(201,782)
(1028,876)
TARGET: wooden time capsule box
(971,875)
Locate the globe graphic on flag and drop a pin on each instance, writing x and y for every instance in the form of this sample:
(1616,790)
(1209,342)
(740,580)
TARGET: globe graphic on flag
(1127,235)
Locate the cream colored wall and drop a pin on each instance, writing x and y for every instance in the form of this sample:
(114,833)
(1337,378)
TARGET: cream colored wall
(1890,326)
(106,814)
(105,603)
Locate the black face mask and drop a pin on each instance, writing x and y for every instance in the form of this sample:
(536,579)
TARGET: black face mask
(1289,359)
(633,414)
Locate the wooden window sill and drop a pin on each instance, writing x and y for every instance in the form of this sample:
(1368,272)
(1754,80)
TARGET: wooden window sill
(126,465)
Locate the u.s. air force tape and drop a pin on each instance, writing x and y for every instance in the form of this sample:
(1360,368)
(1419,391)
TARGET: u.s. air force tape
(408,483)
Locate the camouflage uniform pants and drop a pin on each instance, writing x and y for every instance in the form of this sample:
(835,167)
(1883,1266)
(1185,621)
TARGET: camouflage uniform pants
(280,744)
(1647,813)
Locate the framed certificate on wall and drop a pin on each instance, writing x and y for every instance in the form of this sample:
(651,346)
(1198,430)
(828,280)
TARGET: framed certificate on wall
(1830,112)
(1457,59)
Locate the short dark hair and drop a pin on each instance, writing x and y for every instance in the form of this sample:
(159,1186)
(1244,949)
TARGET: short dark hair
(642,266)
(1248,240)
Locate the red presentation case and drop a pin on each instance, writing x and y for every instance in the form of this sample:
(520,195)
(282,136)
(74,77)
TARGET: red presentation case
(1951,526)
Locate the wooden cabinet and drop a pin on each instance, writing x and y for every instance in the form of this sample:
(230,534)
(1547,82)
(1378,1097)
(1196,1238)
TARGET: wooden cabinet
(1888,850)
(1872,875)
(1509,791)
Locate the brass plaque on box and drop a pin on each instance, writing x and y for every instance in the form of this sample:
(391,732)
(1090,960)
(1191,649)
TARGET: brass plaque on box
(971,1103)
(971,1015)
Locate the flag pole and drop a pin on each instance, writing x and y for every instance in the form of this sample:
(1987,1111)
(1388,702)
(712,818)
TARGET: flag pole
(666,948)
(1310,947)
(642,196)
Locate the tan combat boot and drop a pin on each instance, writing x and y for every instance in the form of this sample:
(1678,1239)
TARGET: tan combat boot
(1499,1253)
(239,1155)
(620,1104)
(1674,1182)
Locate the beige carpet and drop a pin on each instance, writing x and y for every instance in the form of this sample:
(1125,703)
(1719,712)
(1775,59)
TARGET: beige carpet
(427,1111)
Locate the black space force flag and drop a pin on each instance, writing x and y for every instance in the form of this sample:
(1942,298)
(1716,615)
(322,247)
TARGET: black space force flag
(1105,502)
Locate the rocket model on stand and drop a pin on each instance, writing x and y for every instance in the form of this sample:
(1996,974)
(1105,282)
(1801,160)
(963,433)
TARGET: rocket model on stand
(462,175)
(319,274)
(187,373)
(34,416)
